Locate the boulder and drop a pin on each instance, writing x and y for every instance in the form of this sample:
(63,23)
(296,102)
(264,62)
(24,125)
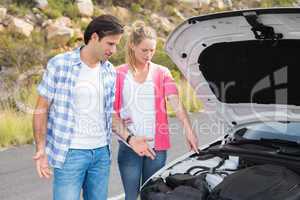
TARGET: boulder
(220,4)
(228,3)
(42,4)
(63,21)
(197,3)
(163,23)
(2,28)
(31,19)
(78,34)
(85,7)
(20,26)
(121,13)
(3,12)
(98,11)
(59,35)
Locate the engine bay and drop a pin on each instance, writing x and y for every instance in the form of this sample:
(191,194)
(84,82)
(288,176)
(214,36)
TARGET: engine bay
(229,172)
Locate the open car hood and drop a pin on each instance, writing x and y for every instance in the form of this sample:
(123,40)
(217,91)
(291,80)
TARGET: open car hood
(243,65)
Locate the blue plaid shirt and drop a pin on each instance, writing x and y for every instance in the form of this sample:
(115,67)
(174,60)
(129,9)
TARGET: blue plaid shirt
(57,87)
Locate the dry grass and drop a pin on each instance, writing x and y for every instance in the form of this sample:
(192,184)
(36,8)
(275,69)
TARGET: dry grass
(188,98)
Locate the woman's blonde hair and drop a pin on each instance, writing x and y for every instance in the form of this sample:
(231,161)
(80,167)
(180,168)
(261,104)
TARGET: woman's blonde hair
(139,31)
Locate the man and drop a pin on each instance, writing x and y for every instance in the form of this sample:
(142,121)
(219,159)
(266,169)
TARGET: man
(73,119)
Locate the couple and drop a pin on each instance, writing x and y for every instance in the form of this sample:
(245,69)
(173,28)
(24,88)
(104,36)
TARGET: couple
(83,99)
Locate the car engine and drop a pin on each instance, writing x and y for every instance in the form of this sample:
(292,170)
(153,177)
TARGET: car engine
(224,177)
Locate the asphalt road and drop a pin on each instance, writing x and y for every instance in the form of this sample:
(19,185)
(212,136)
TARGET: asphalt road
(19,181)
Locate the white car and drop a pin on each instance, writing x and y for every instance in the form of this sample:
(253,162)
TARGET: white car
(245,68)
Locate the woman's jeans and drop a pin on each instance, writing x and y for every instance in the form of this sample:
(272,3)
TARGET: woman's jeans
(135,170)
(83,169)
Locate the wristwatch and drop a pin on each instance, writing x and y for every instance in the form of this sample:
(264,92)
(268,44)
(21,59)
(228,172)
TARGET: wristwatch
(128,138)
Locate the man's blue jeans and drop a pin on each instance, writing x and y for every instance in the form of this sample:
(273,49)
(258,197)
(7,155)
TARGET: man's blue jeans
(135,170)
(83,169)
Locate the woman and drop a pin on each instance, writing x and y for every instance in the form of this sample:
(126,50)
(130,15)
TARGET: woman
(141,88)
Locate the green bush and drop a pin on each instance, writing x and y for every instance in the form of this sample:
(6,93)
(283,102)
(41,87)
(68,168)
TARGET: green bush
(72,42)
(27,3)
(136,8)
(71,10)
(170,2)
(188,98)
(52,13)
(20,52)
(104,3)
(15,128)
(98,12)
(18,10)
(16,121)
(274,3)
(161,56)
(119,57)
(58,8)
(23,3)
(153,5)
(83,25)
(169,10)
(176,75)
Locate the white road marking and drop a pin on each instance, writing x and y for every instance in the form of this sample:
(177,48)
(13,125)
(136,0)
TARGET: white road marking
(3,149)
(121,196)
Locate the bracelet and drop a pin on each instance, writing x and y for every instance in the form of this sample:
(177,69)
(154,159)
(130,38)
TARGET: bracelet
(128,138)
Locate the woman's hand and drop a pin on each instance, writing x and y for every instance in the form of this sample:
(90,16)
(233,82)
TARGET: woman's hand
(192,141)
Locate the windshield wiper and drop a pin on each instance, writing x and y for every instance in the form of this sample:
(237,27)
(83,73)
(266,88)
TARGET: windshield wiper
(289,151)
(280,142)
(284,147)
(239,139)
(280,146)
(254,142)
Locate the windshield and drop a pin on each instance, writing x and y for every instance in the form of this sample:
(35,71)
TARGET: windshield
(272,130)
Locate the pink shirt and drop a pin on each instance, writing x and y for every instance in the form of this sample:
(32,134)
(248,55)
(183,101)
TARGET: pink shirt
(164,86)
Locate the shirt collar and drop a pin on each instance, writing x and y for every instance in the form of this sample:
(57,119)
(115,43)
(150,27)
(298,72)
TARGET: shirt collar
(77,61)
(76,56)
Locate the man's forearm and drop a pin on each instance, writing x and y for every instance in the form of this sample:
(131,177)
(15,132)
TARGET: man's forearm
(40,129)
(40,118)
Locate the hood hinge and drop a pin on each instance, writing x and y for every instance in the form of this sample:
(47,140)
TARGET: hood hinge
(261,31)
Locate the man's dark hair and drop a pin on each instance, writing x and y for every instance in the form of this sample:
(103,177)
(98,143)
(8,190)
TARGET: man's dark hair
(103,25)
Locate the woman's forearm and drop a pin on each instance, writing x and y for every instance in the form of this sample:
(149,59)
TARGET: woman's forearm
(180,112)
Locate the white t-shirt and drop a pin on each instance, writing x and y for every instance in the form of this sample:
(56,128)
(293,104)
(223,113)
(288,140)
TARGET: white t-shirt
(89,130)
(139,105)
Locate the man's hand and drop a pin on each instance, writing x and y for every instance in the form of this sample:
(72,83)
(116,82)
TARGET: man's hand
(127,121)
(140,146)
(42,166)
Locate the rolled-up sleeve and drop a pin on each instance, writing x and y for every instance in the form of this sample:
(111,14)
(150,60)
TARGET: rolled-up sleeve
(170,86)
(46,88)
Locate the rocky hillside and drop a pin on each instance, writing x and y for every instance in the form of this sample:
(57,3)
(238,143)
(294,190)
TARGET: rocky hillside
(63,20)
(31,31)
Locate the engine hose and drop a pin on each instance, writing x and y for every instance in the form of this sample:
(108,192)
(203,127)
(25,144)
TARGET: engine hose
(197,167)
(204,168)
